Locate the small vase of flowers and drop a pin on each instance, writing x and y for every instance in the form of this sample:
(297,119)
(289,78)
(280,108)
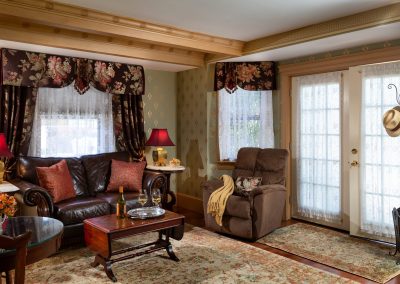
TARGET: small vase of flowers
(8,206)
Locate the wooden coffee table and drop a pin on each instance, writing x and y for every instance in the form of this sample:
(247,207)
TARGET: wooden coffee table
(100,231)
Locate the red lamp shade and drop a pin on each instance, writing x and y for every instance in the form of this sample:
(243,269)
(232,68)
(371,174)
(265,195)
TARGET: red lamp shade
(159,137)
(4,151)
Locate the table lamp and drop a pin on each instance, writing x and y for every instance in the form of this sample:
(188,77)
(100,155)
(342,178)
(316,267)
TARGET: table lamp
(4,153)
(159,137)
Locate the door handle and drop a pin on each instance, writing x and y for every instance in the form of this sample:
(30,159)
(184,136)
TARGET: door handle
(354,164)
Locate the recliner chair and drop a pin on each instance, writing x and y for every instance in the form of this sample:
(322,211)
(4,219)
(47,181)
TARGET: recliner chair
(252,217)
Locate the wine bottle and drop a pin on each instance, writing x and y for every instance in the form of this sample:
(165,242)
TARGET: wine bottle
(121,204)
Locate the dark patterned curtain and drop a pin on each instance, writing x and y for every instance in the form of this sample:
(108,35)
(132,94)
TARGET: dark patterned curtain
(22,72)
(129,125)
(251,76)
(17,105)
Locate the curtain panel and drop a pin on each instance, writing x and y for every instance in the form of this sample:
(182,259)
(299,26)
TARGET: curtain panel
(251,76)
(23,72)
(31,69)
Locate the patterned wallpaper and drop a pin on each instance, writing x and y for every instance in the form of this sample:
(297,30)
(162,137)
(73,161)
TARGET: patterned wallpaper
(160,109)
(192,129)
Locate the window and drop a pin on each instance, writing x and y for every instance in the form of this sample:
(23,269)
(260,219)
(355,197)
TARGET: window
(317,132)
(67,124)
(244,120)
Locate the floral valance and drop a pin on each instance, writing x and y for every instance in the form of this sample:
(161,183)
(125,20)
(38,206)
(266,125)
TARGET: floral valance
(252,76)
(31,69)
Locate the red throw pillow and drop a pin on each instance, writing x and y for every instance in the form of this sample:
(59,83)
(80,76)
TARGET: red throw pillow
(129,175)
(57,180)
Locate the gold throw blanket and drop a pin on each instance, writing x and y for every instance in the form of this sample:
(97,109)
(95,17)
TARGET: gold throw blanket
(217,201)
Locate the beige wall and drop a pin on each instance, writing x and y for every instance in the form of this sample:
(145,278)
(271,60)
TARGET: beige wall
(160,109)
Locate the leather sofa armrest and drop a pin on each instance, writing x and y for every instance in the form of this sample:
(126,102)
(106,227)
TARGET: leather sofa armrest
(34,195)
(152,180)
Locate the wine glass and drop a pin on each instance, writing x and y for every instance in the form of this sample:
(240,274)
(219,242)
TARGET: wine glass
(142,199)
(156,194)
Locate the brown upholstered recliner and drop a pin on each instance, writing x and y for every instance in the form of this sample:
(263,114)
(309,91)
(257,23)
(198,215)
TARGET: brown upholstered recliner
(258,214)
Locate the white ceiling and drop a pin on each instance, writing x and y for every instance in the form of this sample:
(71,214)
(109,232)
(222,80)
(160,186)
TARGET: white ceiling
(208,16)
(237,19)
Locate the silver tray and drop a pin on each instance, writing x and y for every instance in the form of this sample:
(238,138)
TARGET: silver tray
(146,212)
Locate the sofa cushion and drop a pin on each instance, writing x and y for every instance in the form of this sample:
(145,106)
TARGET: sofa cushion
(128,175)
(98,169)
(111,198)
(26,170)
(57,180)
(74,211)
(245,162)
(244,185)
(271,165)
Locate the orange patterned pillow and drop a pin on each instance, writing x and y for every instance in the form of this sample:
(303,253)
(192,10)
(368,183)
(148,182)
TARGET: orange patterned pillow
(57,180)
(129,175)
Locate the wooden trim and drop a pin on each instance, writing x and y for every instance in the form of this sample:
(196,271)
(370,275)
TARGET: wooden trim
(91,21)
(372,18)
(12,30)
(190,203)
(287,71)
(225,165)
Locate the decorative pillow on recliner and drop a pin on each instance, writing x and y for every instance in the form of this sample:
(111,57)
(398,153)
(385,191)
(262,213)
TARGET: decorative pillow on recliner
(57,180)
(127,174)
(244,185)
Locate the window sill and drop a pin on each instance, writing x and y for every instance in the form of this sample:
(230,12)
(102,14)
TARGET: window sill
(225,165)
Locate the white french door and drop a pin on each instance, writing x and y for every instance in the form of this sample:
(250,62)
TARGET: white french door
(374,186)
(346,168)
(320,193)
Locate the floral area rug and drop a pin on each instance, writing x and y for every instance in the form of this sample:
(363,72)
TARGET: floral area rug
(361,257)
(205,257)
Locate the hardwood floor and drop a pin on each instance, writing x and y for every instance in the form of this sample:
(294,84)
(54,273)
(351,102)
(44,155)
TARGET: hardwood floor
(197,219)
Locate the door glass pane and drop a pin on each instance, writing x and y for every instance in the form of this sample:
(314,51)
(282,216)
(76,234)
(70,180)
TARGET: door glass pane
(380,153)
(318,146)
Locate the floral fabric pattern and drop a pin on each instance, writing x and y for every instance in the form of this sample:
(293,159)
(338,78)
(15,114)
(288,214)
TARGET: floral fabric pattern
(30,69)
(251,76)
(128,119)
(244,185)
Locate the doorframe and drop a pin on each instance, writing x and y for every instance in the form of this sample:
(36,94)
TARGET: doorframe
(337,63)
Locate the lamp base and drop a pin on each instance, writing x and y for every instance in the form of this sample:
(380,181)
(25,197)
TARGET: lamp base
(1,172)
(160,157)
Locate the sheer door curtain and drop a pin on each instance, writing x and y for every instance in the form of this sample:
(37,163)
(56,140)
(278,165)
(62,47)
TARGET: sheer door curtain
(317,134)
(380,153)
(67,124)
(245,119)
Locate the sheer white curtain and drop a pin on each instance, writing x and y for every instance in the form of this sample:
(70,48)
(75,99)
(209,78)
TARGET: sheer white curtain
(245,119)
(380,153)
(317,101)
(67,124)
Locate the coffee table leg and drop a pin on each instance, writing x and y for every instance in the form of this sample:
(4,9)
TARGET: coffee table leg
(171,253)
(107,267)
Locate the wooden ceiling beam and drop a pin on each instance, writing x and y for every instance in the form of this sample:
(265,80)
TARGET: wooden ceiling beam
(86,20)
(368,19)
(56,37)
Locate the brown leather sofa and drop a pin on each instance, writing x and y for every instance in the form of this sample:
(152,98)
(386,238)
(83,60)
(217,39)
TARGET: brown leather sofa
(252,217)
(90,175)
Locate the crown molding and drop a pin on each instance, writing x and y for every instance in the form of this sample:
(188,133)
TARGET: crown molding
(91,21)
(372,18)
(55,37)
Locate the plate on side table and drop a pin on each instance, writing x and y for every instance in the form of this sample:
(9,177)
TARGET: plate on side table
(146,212)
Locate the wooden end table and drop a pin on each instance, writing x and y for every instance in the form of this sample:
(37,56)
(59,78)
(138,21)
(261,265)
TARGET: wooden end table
(167,171)
(100,231)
